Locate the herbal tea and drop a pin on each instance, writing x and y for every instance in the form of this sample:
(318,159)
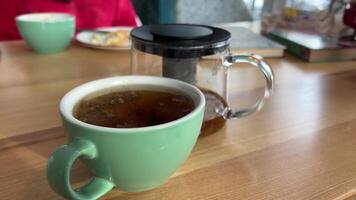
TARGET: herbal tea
(134,107)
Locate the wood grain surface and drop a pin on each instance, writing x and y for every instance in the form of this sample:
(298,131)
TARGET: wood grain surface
(302,145)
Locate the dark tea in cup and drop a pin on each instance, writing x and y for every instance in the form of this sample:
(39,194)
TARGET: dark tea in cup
(134,106)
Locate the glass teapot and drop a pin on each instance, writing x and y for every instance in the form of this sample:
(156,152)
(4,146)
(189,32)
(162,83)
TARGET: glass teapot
(198,55)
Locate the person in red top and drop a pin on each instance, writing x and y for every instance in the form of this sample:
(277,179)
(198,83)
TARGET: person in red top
(89,14)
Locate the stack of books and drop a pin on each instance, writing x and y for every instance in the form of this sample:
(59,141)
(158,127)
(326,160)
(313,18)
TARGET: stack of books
(313,47)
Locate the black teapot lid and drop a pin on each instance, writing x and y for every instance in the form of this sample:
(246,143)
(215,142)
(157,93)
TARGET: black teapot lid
(180,40)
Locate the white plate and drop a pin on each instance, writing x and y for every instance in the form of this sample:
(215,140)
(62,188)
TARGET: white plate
(84,38)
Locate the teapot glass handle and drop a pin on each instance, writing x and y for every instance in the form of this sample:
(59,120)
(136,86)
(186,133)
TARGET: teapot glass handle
(257,61)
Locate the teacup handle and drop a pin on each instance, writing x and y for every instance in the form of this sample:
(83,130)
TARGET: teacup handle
(257,61)
(59,167)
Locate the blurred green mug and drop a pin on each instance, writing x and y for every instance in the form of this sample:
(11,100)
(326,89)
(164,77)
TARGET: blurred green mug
(46,32)
(131,159)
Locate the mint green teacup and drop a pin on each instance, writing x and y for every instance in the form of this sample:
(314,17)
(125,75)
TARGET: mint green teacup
(130,159)
(46,32)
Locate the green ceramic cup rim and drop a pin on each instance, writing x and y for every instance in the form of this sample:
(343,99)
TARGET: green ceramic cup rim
(58,17)
(70,99)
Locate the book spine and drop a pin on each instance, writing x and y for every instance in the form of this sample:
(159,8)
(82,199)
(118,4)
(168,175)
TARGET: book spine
(292,47)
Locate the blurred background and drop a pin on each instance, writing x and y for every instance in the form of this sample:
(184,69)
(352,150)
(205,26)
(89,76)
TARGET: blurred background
(321,16)
(199,11)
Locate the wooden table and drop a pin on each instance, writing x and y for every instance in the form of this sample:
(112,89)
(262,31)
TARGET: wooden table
(302,145)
